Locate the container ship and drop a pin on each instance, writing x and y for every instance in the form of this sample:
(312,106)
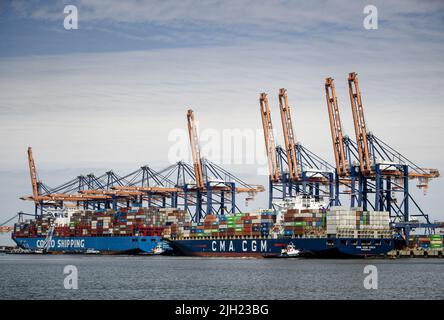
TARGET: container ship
(125,231)
(300,222)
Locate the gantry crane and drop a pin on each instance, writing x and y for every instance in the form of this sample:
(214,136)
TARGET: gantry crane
(270,145)
(304,167)
(53,199)
(33,174)
(195,150)
(336,129)
(222,184)
(344,149)
(150,187)
(106,191)
(359,124)
(290,145)
(372,166)
(276,176)
(294,169)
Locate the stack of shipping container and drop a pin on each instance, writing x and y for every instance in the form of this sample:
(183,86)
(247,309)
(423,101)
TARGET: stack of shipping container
(434,241)
(175,220)
(343,222)
(33,228)
(304,222)
(234,225)
(101,223)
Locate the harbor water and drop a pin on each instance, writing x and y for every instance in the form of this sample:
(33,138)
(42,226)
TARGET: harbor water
(158,277)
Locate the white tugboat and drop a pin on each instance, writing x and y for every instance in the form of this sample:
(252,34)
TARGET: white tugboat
(92,251)
(159,249)
(290,251)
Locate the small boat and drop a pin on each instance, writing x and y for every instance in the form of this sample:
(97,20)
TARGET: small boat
(162,248)
(92,251)
(159,249)
(290,251)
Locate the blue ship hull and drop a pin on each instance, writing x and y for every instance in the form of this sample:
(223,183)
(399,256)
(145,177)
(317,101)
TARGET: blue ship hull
(319,247)
(115,244)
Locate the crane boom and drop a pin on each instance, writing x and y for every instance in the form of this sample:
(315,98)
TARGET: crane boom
(287,126)
(359,123)
(194,142)
(119,193)
(151,189)
(68,197)
(336,127)
(269,138)
(33,174)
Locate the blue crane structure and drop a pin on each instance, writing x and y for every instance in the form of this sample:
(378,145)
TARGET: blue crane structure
(203,189)
(108,190)
(171,187)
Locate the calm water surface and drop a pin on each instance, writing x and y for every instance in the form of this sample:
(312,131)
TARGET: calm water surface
(145,277)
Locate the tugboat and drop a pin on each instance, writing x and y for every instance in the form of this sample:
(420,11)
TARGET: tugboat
(92,251)
(162,248)
(290,251)
(158,250)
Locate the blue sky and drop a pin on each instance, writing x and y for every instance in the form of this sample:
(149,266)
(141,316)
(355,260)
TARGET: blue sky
(108,94)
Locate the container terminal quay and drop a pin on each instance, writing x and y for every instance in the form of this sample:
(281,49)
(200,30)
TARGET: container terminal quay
(359,205)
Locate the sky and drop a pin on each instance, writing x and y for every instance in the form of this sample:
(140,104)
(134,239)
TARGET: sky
(109,94)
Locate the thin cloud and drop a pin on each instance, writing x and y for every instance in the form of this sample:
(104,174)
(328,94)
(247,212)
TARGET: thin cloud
(252,17)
